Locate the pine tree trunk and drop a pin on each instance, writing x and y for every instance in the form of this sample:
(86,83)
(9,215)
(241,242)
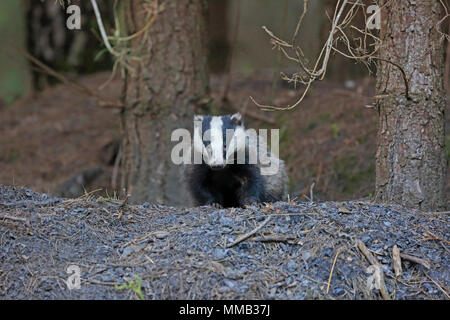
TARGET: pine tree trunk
(411,163)
(161,96)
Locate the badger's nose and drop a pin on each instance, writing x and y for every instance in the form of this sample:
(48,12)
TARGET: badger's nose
(217,166)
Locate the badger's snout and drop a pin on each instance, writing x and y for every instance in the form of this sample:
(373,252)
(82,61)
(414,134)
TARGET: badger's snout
(217,167)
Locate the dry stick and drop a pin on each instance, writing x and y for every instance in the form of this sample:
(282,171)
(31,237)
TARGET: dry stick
(102,28)
(397,261)
(311,193)
(253,115)
(373,261)
(435,237)
(439,212)
(324,56)
(414,259)
(366,252)
(273,238)
(124,202)
(5,216)
(437,284)
(332,269)
(249,234)
(115,172)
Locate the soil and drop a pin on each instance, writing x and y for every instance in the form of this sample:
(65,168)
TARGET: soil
(306,250)
(58,141)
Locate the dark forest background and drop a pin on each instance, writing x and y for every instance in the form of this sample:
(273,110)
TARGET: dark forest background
(54,139)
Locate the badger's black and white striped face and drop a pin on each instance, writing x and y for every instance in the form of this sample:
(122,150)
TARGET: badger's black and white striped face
(217,138)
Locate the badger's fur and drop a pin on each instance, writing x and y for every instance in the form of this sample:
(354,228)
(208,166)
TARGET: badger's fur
(225,175)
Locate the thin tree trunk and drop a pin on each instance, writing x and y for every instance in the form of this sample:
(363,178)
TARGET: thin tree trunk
(161,97)
(411,163)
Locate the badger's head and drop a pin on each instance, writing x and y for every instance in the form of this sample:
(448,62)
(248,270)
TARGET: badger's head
(218,138)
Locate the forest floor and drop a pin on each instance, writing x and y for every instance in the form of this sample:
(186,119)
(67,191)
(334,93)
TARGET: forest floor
(287,250)
(59,141)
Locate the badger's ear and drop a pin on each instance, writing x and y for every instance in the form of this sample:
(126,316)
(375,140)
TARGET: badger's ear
(237,118)
(198,118)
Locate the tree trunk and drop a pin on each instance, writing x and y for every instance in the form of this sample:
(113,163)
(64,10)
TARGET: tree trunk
(161,96)
(15,72)
(410,160)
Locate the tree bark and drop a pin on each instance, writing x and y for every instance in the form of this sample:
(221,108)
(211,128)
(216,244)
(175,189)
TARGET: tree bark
(161,96)
(410,160)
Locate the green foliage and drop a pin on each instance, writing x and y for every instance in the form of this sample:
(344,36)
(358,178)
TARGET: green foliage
(336,129)
(134,286)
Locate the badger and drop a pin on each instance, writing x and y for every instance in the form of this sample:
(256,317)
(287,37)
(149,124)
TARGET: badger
(227,174)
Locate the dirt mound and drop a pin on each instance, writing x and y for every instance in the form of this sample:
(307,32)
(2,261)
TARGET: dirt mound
(156,252)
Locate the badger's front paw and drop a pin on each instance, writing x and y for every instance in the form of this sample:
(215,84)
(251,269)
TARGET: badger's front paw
(248,201)
(214,205)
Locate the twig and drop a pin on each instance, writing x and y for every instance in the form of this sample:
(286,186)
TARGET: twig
(102,29)
(249,234)
(102,102)
(332,269)
(116,169)
(249,113)
(376,264)
(124,202)
(366,252)
(414,259)
(311,193)
(438,212)
(397,261)
(87,194)
(93,281)
(437,284)
(273,238)
(434,237)
(5,216)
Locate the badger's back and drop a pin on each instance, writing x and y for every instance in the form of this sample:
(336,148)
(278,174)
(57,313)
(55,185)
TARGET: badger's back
(276,185)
